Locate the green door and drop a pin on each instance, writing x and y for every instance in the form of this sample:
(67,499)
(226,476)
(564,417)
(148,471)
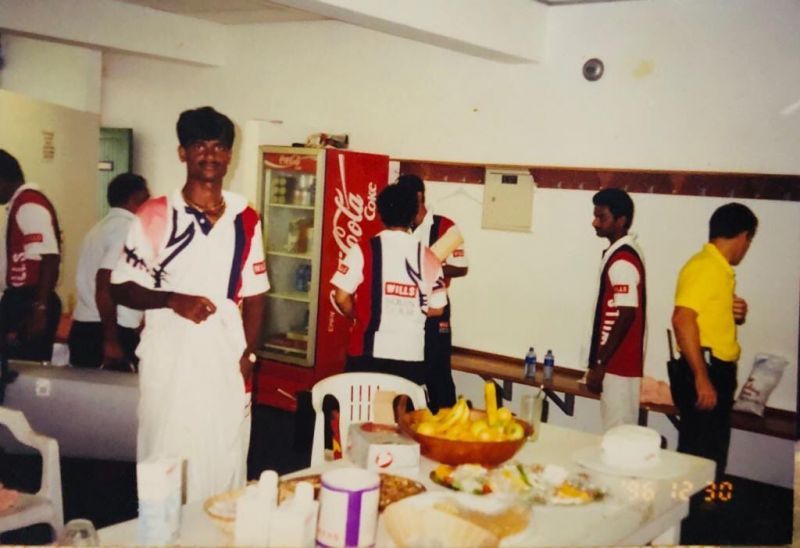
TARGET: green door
(116,156)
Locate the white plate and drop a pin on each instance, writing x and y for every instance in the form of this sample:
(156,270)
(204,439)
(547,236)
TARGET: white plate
(484,503)
(669,465)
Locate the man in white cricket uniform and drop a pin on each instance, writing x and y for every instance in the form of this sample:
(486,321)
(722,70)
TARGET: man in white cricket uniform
(390,284)
(190,260)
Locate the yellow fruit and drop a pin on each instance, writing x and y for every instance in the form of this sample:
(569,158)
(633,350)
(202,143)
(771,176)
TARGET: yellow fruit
(442,413)
(496,434)
(490,395)
(456,415)
(466,435)
(478,426)
(426,415)
(503,415)
(426,428)
(514,431)
(485,435)
(442,471)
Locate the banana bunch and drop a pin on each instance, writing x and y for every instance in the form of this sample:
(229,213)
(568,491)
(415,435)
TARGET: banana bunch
(456,423)
(448,423)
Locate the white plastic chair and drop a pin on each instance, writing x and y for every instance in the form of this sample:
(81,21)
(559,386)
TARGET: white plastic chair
(355,392)
(44,506)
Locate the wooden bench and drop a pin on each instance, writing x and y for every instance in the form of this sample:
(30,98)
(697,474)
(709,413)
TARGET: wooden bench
(565,386)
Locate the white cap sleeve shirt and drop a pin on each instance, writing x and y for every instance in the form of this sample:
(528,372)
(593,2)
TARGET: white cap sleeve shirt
(101,249)
(34,219)
(624,280)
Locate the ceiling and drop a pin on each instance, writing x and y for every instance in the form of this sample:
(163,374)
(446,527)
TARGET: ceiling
(238,12)
(230,12)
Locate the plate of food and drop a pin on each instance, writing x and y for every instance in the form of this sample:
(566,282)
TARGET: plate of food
(536,484)
(393,488)
(221,508)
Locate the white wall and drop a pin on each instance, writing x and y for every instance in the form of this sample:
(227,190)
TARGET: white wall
(68,178)
(540,287)
(56,73)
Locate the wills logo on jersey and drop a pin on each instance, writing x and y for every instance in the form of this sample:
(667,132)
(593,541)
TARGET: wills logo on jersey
(621,288)
(260,267)
(400,290)
(458,253)
(343,268)
(32,238)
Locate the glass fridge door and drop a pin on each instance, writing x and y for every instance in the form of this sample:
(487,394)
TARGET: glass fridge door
(289,199)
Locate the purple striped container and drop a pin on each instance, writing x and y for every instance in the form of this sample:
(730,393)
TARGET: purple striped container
(348,512)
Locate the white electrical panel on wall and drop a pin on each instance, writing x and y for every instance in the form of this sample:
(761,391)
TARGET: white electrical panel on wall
(508,200)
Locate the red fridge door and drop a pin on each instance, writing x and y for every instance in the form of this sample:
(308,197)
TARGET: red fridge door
(350,215)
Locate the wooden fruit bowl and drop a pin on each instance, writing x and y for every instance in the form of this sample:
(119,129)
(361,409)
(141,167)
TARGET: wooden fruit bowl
(488,453)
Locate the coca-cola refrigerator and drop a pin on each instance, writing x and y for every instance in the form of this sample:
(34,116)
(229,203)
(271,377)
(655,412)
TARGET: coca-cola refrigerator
(314,204)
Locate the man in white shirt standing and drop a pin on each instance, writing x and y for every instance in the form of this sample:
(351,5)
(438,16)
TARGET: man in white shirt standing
(194,261)
(103,334)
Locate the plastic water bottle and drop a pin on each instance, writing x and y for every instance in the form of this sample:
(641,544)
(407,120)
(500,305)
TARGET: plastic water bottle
(530,364)
(300,278)
(549,364)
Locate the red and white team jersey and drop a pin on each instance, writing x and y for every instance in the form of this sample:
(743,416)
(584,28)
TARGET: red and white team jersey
(433,228)
(622,284)
(395,280)
(31,231)
(172,247)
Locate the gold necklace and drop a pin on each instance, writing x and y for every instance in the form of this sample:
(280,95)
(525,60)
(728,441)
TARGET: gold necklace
(213,211)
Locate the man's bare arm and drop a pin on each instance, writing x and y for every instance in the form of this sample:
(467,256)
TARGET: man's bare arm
(687,333)
(108,315)
(252,320)
(454,271)
(191,307)
(344,301)
(49,268)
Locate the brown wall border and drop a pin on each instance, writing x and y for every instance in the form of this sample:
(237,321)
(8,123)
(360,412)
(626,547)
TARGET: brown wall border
(684,183)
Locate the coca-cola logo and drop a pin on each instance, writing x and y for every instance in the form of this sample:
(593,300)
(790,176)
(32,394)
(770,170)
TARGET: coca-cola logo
(351,211)
(290,161)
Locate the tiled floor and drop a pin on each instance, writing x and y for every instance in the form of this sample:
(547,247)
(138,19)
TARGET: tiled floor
(105,492)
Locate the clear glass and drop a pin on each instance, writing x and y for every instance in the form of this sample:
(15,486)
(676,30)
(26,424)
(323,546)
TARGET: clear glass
(531,411)
(288,206)
(79,532)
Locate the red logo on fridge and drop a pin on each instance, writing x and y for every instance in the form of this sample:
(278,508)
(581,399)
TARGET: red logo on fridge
(351,210)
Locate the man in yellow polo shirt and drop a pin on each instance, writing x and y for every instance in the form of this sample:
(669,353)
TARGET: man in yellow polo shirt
(706,313)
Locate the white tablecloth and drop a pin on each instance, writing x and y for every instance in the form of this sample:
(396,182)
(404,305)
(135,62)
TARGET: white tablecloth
(636,511)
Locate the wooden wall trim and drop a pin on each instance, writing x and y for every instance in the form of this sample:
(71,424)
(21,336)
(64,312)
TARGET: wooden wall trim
(685,183)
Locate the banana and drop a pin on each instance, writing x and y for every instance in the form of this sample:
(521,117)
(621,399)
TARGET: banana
(457,414)
(490,395)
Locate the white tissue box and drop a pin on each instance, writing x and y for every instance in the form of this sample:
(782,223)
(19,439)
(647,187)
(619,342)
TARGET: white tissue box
(381,447)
